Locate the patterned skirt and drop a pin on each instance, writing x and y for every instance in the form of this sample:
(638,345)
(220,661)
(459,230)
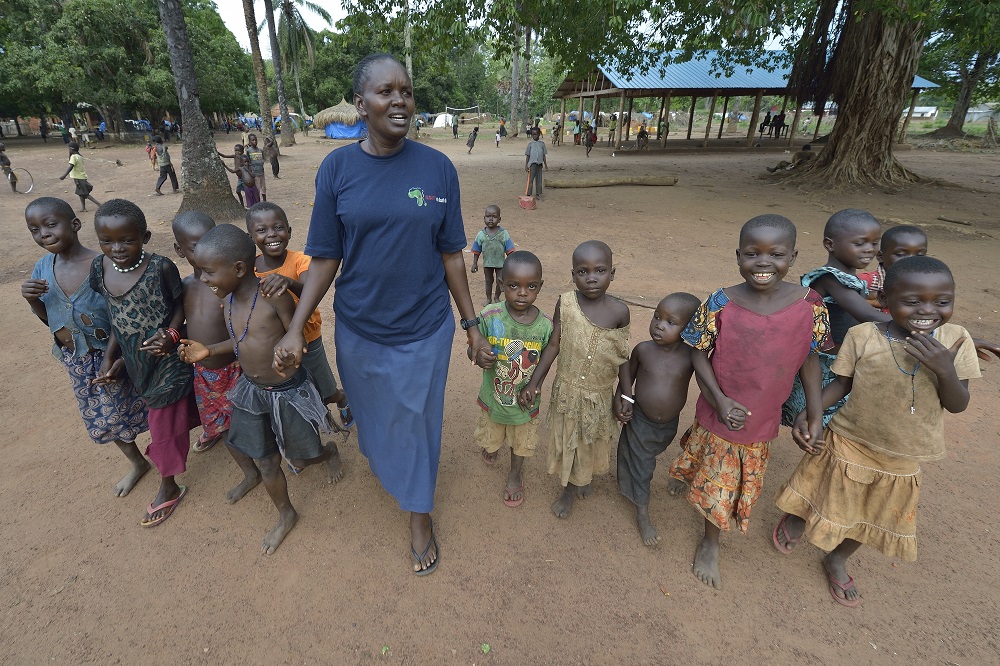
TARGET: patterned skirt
(111,412)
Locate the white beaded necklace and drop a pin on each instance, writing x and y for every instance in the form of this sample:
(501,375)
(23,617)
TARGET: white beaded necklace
(142,257)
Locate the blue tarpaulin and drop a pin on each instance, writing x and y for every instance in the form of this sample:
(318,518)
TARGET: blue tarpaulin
(341,131)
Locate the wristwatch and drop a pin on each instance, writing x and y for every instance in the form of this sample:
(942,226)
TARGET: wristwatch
(469,323)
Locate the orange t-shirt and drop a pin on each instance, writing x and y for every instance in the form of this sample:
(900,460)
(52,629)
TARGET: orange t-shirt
(297,263)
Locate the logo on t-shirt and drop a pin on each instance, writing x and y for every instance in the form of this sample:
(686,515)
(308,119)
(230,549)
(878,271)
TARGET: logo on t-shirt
(422,199)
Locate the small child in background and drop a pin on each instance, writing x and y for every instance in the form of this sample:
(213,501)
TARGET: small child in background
(60,294)
(255,162)
(471,142)
(251,194)
(281,270)
(271,151)
(590,335)
(79,175)
(589,137)
(863,487)
(497,137)
(749,342)
(898,243)
(661,370)
(518,333)
(237,158)
(151,154)
(493,243)
(214,377)
(274,416)
(851,239)
(146,302)
(535,159)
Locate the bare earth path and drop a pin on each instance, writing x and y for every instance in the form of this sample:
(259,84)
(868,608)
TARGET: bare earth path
(81,582)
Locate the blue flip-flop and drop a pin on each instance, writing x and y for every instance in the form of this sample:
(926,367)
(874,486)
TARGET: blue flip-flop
(420,557)
(343,416)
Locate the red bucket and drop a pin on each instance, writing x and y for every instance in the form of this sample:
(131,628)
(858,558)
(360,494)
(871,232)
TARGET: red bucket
(527,203)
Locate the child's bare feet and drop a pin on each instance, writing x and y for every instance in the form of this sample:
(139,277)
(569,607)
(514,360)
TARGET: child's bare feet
(127,483)
(706,563)
(676,487)
(564,505)
(583,492)
(334,465)
(273,539)
(646,530)
(238,491)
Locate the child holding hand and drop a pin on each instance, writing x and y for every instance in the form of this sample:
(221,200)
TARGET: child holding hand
(749,342)
(661,370)
(518,333)
(274,416)
(60,295)
(146,302)
(590,335)
(493,243)
(863,487)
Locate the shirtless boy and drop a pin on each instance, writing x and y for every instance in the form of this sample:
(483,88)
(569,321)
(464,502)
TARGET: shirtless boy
(257,440)
(661,370)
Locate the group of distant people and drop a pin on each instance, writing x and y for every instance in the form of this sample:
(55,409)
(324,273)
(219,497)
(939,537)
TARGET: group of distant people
(773,126)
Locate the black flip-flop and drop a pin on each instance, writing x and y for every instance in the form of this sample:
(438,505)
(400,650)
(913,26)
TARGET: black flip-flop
(420,557)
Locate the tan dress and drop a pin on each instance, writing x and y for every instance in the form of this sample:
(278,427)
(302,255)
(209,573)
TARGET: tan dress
(581,423)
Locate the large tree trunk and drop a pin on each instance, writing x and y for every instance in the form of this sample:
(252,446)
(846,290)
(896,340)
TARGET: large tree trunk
(258,69)
(526,81)
(408,58)
(515,92)
(206,186)
(968,80)
(287,128)
(872,73)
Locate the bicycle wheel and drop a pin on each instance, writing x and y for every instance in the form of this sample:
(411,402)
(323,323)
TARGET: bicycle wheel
(22,180)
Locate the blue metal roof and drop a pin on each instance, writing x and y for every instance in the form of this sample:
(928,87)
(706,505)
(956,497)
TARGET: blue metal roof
(697,74)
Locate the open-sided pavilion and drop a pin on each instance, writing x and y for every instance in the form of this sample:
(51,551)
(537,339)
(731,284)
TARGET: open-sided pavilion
(695,79)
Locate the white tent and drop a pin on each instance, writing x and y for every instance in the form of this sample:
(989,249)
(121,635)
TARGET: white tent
(443,120)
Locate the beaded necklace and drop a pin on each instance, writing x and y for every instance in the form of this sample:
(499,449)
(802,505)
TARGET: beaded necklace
(142,257)
(912,375)
(236,347)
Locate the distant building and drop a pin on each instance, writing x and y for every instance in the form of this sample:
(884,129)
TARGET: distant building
(923,112)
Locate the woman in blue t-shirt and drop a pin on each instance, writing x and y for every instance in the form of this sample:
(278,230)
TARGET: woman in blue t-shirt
(387,201)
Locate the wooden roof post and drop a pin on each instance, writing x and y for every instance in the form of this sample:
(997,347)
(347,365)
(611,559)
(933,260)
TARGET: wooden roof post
(562,122)
(694,100)
(579,116)
(795,125)
(665,114)
(597,111)
(621,121)
(725,109)
(909,114)
(711,115)
(628,125)
(755,119)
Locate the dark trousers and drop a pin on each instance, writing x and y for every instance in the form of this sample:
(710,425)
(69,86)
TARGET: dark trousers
(535,179)
(165,172)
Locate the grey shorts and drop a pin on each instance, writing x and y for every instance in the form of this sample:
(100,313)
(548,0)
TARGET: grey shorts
(253,434)
(318,365)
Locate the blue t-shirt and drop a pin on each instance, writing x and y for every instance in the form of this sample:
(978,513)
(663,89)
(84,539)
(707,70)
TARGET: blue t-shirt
(389,219)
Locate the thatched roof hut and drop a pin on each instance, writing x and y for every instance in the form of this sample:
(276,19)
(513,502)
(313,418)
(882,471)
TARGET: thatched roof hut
(344,113)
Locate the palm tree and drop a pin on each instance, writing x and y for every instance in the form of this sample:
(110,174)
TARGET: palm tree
(297,37)
(287,129)
(258,69)
(206,185)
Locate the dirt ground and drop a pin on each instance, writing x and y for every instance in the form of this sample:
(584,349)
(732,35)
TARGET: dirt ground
(81,582)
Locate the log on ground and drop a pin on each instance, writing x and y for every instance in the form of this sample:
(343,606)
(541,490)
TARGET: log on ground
(608,181)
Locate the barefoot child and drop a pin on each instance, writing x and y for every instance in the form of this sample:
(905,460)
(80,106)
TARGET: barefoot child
(8,173)
(493,243)
(59,294)
(590,329)
(518,332)
(145,299)
(79,175)
(242,172)
(471,142)
(274,416)
(255,158)
(216,376)
(750,340)
(237,158)
(863,486)
(851,239)
(661,370)
(898,243)
(281,270)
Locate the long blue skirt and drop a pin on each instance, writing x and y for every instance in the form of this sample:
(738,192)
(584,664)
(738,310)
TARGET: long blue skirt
(397,396)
